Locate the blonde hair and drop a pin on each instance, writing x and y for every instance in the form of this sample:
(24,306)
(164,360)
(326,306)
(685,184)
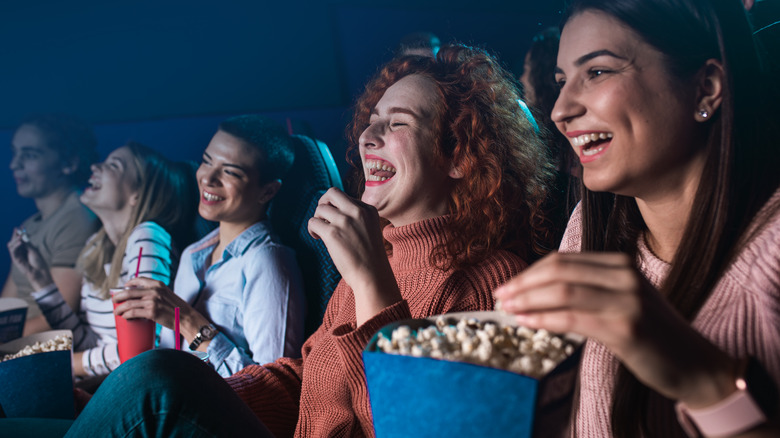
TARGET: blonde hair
(166,195)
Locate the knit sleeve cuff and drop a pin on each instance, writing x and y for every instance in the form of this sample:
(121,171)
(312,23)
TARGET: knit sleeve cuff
(352,340)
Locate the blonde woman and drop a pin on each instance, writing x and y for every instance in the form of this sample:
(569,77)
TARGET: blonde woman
(141,199)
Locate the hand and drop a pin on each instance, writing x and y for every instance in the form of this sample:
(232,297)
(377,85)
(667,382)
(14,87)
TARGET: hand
(29,260)
(152,299)
(351,231)
(603,296)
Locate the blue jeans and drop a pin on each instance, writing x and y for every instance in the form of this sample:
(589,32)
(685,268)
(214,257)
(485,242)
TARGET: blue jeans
(166,393)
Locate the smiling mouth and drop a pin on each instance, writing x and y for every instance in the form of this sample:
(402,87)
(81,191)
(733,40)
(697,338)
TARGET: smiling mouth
(94,184)
(591,144)
(212,198)
(377,170)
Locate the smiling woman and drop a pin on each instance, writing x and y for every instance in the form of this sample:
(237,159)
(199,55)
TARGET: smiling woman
(677,283)
(239,290)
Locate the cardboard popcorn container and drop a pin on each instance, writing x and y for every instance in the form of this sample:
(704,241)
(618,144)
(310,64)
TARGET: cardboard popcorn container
(421,396)
(40,384)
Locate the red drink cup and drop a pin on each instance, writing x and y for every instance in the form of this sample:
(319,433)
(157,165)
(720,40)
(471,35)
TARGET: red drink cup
(134,336)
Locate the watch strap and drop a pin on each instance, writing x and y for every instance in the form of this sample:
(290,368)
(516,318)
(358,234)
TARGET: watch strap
(202,336)
(736,413)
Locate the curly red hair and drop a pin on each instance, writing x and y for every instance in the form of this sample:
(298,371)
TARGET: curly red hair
(497,204)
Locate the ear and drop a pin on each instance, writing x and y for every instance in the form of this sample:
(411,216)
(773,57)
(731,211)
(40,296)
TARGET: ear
(268,191)
(133,201)
(70,167)
(455,171)
(709,94)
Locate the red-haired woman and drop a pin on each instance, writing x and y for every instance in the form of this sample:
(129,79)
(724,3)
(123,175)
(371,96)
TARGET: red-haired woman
(448,160)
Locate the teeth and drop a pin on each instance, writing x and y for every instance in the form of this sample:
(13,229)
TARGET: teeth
(209,197)
(582,140)
(589,152)
(379,165)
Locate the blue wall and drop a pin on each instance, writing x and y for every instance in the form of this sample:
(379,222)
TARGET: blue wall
(164,73)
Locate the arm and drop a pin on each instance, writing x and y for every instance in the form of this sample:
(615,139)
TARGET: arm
(272,307)
(156,263)
(602,296)
(351,231)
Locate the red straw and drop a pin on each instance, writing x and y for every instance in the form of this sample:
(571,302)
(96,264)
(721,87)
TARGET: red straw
(176,327)
(138,265)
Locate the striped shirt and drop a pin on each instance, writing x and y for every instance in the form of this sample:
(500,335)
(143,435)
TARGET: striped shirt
(94,327)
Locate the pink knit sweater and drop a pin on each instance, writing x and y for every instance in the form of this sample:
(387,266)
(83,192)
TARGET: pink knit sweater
(742,317)
(324,393)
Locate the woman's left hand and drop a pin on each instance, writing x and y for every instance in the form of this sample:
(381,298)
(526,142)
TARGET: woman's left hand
(604,297)
(351,231)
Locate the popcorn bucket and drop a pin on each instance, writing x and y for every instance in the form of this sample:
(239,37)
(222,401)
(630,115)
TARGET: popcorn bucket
(423,396)
(39,384)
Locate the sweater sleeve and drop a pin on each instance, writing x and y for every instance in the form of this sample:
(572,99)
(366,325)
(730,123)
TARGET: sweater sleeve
(61,317)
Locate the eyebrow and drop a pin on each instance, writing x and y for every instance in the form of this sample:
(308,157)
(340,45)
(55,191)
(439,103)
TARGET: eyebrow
(235,166)
(588,56)
(396,110)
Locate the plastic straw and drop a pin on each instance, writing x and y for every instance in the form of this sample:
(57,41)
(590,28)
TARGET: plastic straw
(138,265)
(176,327)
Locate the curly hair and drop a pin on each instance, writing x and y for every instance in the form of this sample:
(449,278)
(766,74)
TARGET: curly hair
(480,127)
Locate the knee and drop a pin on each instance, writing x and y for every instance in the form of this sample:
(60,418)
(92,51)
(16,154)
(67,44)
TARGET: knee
(164,367)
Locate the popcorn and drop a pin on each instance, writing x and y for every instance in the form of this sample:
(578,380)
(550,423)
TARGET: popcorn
(58,343)
(518,349)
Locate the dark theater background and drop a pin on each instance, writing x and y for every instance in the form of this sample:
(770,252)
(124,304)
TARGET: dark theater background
(165,72)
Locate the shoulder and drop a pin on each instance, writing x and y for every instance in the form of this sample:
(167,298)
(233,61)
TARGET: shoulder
(495,270)
(572,237)
(758,261)
(149,230)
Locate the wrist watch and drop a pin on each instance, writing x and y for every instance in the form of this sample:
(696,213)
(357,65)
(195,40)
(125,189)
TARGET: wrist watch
(753,402)
(206,333)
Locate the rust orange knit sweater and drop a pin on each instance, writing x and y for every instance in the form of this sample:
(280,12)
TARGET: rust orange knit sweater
(324,393)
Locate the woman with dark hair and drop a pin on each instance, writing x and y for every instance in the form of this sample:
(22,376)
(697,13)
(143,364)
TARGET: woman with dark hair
(453,169)
(51,158)
(676,286)
(138,195)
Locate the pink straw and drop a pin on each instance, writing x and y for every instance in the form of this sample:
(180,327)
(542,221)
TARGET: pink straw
(176,327)
(138,265)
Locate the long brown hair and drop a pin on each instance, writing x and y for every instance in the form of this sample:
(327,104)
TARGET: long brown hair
(167,195)
(481,127)
(740,172)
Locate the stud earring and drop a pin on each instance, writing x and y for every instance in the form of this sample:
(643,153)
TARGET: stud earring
(703,113)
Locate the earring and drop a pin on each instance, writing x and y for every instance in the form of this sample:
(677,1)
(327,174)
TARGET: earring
(703,113)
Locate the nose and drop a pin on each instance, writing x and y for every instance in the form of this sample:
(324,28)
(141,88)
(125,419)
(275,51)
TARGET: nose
(568,106)
(15,163)
(205,175)
(372,136)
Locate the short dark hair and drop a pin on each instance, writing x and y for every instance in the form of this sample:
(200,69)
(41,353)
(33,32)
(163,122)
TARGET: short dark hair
(71,137)
(274,145)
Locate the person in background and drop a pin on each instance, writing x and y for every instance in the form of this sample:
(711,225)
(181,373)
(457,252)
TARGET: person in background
(51,158)
(452,182)
(540,92)
(239,290)
(420,44)
(139,196)
(670,266)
